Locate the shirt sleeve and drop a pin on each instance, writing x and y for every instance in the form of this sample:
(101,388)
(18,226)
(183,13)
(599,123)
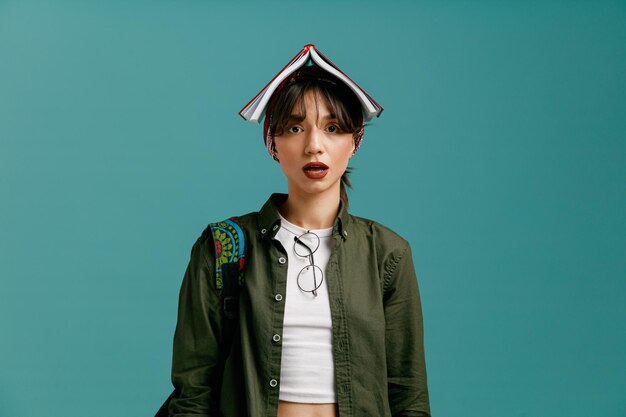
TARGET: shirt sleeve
(404,337)
(195,371)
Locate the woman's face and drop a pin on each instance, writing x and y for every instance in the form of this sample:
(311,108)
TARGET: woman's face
(312,151)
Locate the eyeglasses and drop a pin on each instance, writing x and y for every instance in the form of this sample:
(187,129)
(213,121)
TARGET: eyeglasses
(311,276)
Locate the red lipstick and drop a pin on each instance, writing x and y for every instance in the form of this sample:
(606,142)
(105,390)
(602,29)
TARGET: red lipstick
(315,170)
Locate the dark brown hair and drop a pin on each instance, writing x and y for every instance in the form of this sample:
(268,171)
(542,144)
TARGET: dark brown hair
(340,100)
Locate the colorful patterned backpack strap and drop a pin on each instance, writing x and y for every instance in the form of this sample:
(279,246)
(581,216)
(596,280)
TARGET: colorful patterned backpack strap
(230,249)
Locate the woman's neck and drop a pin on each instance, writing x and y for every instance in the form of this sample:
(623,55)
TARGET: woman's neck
(311,212)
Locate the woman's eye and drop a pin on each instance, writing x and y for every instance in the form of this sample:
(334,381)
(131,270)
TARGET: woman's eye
(332,129)
(294,129)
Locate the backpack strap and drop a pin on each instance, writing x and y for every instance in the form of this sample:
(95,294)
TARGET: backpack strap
(230,245)
(229,241)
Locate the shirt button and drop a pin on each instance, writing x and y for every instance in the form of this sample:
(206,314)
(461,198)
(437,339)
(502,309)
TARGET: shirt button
(278,297)
(263,231)
(276,338)
(282,260)
(273,383)
(275,227)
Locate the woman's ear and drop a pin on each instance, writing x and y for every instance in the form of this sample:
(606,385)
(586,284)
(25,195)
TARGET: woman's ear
(354,147)
(272,148)
(358,137)
(274,152)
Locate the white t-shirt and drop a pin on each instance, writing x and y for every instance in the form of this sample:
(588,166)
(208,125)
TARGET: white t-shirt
(307,372)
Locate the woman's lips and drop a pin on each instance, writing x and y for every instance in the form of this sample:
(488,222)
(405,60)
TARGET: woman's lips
(315,170)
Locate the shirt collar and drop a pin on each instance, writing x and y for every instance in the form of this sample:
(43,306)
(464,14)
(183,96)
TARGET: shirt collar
(269,220)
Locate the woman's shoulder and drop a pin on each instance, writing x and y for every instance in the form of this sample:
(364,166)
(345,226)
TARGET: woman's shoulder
(381,235)
(236,228)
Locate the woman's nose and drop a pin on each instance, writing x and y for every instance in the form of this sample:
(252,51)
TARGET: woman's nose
(314,142)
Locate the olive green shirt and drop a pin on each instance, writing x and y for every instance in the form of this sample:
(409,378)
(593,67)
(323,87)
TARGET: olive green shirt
(376,323)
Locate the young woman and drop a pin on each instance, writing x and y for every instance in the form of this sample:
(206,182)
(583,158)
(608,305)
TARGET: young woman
(329,318)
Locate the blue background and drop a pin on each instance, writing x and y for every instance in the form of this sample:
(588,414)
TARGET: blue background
(501,157)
